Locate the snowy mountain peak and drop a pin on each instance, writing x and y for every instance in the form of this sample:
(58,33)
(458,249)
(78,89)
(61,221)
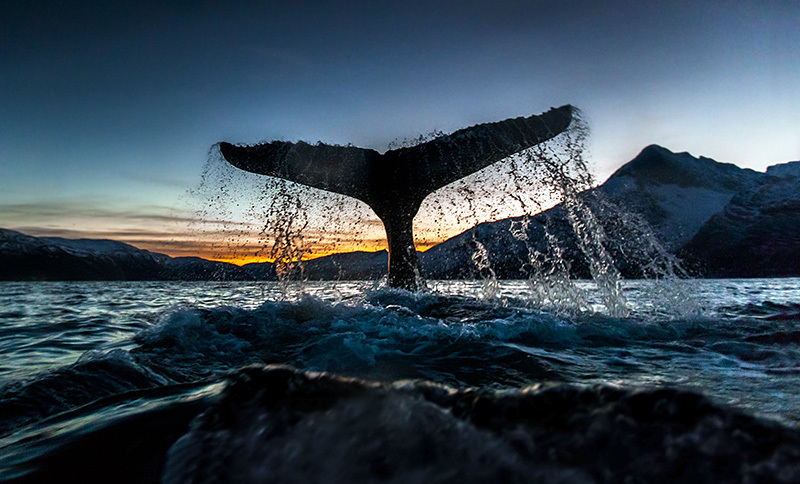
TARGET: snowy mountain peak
(656,165)
(94,246)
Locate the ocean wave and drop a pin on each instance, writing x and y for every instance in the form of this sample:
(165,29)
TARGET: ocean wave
(768,310)
(407,335)
(388,335)
(93,376)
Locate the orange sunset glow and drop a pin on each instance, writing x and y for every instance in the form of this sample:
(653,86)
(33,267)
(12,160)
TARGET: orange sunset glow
(242,259)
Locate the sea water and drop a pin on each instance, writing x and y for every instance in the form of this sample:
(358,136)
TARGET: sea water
(740,347)
(64,345)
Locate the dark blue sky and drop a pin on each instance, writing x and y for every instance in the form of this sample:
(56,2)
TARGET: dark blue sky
(107,112)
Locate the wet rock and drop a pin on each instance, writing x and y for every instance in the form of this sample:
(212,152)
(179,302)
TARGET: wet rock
(276,424)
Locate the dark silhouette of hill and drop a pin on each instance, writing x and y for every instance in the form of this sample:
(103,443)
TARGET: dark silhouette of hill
(23,257)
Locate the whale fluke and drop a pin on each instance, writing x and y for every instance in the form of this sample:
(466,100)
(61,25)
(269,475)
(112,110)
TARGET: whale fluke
(395,183)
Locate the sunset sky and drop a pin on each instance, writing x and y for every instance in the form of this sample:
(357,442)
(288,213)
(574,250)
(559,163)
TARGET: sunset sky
(108,110)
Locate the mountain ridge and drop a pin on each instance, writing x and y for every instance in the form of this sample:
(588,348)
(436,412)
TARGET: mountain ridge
(686,202)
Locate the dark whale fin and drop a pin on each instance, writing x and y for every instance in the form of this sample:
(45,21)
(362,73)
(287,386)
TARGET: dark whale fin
(339,169)
(395,183)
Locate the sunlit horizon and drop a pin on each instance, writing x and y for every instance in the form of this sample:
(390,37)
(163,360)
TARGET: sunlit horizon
(224,248)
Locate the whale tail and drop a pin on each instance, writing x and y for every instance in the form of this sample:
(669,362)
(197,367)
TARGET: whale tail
(395,183)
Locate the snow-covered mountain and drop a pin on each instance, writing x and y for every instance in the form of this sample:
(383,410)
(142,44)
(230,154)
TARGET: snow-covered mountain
(23,257)
(669,195)
(676,192)
(757,233)
(790,169)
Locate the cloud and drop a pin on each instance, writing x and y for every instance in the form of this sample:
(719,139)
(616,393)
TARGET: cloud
(153,180)
(66,211)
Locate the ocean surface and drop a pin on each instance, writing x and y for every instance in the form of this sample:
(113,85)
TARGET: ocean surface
(78,359)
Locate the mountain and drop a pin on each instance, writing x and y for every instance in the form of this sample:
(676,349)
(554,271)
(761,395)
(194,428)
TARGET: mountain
(198,269)
(23,257)
(660,193)
(790,169)
(676,193)
(349,265)
(757,234)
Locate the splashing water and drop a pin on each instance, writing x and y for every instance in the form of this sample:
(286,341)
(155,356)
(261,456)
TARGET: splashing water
(481,259)
(289,223)
(606,235)
(567,172)
(549,283)
(275,220)
(534,180)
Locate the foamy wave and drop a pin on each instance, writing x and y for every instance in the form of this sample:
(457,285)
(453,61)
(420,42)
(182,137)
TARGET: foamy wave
(391,334)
